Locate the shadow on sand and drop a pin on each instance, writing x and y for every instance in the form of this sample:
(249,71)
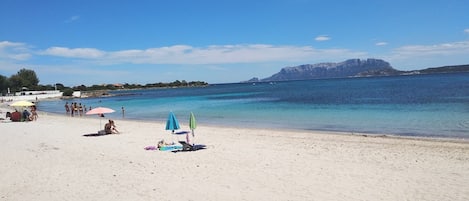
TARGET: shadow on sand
(95,134)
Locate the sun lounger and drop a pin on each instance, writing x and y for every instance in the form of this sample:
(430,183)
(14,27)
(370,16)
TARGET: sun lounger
(188,147)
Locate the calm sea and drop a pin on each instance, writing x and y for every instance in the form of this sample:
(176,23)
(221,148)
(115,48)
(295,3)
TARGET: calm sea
(417,105)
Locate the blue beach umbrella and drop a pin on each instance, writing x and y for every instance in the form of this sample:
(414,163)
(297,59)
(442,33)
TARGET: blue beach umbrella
(172,123)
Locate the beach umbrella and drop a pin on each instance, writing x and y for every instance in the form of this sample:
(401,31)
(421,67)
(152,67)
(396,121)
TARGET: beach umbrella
(172,123)
(192,123)
(99,111)
(22,104)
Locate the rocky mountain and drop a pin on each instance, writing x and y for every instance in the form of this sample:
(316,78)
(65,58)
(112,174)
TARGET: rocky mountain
(348,68)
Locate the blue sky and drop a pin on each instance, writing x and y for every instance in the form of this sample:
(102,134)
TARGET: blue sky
(76,42)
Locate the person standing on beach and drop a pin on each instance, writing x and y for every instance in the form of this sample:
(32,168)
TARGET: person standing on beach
(67,108)
(123,112)
(75,108)
(72,110)
(80,109)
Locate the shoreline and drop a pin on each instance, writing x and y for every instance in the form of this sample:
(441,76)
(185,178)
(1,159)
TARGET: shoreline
(321,132)
(345,126)
(55,158)
(281,130)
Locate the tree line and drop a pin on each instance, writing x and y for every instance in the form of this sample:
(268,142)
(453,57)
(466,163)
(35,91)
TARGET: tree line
(27,79)
(24,78)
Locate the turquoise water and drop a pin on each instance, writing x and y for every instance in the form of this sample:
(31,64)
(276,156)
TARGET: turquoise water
(419,105)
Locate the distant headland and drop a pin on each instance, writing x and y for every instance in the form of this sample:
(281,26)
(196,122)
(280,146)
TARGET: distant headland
(350,68)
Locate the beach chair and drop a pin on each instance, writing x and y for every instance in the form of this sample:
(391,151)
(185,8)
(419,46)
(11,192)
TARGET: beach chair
(188,147)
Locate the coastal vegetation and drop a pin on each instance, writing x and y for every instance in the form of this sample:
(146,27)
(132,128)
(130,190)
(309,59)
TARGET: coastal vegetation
(27,79)
(24,79)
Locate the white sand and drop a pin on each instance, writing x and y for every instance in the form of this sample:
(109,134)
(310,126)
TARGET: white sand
(50,159)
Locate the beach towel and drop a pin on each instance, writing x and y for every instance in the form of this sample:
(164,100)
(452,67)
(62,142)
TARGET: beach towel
(151,148)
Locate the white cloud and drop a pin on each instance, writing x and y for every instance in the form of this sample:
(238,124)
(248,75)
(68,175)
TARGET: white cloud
(260,59)
(184,54)
(381,43)
(84,53)
(413,57)
(14,51)
(215,54)
(22,56)
(322,38)
(438,49)
(466,31)
(222,56)
(72,19)
(7,44)
(10,67)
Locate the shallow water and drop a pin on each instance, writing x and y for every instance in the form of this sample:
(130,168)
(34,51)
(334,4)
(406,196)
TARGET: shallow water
(418,105)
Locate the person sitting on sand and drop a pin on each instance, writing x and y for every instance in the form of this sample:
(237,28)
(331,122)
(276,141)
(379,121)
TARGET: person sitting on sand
(26,115)
(110,127)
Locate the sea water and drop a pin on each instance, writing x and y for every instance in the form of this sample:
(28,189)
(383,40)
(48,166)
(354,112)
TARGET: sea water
(418,105)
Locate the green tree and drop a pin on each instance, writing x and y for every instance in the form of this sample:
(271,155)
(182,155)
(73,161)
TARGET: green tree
(4,84)
(16,83)
(80,88)
(68,92)
(24,78)
(29,78)
(59,86)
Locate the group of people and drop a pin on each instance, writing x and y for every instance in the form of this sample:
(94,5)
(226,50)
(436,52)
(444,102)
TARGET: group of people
(75,109)
(31,116)
(22,116)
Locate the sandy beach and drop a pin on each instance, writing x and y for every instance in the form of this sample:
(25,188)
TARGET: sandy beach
(53,159)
